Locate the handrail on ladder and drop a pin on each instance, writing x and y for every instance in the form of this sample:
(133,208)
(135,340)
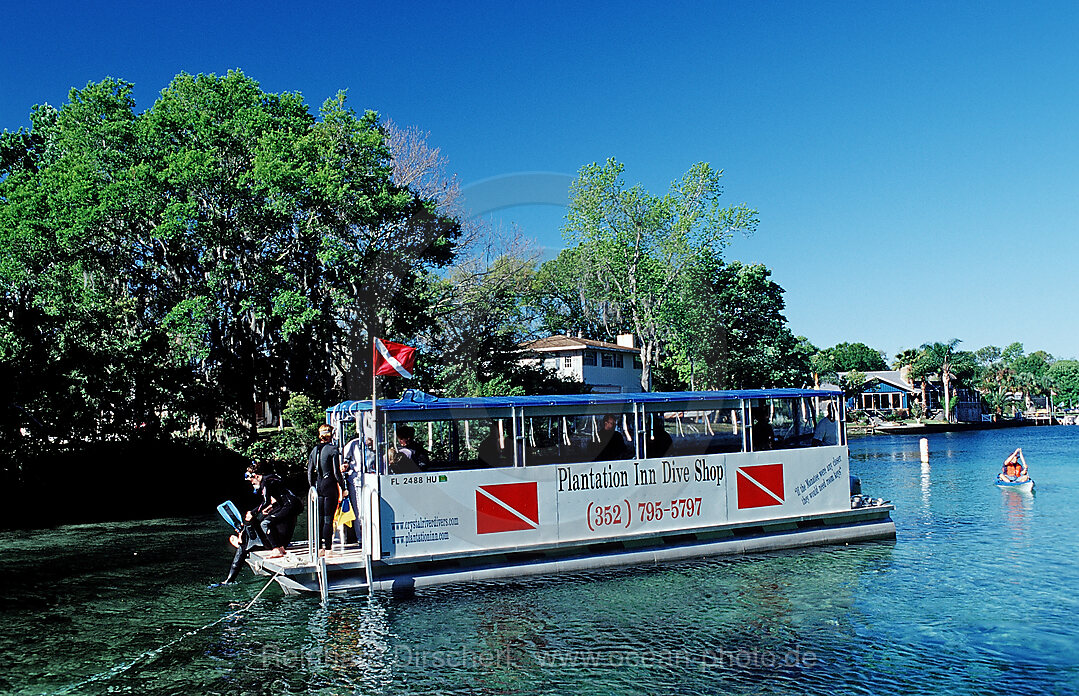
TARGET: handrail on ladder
(313,543)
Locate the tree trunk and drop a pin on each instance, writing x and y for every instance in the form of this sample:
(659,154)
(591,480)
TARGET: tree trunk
(947,398)
(648,353)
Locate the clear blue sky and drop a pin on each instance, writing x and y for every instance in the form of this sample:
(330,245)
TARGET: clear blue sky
(915,165)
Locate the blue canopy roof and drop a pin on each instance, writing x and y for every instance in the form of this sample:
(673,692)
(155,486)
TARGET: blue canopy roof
(414,400)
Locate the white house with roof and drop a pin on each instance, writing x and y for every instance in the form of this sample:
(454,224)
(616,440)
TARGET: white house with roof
(609,368)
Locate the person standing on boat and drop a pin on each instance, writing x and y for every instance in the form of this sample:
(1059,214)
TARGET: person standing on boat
(325,477)
(359,456)
(762,433)
(611,445)
(491,449)
(1014,469)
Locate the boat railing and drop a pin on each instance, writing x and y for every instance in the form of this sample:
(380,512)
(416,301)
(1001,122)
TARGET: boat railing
(312,523)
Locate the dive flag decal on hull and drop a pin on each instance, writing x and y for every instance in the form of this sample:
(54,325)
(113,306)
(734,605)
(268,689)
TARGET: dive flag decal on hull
(507,507)
(760,485)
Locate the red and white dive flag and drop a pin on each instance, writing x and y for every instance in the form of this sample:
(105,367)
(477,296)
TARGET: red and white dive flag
(760,485)
(394,359)
(507,507)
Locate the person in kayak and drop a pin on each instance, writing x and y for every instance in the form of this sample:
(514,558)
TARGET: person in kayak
(1014,469)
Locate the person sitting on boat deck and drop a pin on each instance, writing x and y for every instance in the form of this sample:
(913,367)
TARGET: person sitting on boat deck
(325,477)
(491,450)
(359,459)
(611,445)
(826,431)
(273,520)
(660,443)
(276,516)
(1015,468)
(414,451)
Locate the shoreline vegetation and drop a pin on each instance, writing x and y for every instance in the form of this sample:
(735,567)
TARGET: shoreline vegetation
(175,279)
(927,427)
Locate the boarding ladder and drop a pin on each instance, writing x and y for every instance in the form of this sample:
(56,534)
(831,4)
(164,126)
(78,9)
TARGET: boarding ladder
(368,536)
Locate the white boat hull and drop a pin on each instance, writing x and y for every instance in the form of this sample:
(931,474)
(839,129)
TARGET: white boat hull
(346,572)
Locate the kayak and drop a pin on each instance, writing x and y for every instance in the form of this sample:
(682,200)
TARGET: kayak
(1021,486)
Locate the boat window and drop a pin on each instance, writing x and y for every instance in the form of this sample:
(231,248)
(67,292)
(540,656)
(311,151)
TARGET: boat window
(488,442)
(574,438)
(682,433)
(828,428)
(448,445)
(484,443)
(790,423)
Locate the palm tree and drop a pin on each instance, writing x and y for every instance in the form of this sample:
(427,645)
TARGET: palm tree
(1047,385)
(1027,383)
(946,375)
(936,359)
(905,358)
(903,361)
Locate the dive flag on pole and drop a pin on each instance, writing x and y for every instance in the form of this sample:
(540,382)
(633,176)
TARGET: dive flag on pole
(394,358)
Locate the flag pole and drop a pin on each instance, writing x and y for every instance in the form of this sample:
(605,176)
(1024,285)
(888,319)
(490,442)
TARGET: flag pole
(374,406)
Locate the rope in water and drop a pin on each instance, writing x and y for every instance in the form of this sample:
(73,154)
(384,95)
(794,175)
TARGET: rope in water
(150,654)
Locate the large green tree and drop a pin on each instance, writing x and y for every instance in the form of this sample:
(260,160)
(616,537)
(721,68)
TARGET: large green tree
(856,356)
(729,331)
(482,319)
(1064,375)
(565,298)
(77,360)
(634,247)
(225,246)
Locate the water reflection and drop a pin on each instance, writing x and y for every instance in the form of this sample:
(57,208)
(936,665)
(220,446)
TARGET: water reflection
(925,486)
(1018,511)
(349,641)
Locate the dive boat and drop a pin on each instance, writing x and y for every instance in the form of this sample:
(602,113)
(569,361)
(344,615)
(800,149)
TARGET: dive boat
(527,485)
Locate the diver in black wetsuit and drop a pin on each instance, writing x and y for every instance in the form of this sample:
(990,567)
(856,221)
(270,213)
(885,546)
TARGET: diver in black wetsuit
(325,477)
(272,522)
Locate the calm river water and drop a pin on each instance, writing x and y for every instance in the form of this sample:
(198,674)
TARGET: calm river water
(979,595)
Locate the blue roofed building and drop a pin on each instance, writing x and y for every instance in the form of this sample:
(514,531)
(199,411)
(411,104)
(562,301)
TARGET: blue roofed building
(885,390)
(890,391)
